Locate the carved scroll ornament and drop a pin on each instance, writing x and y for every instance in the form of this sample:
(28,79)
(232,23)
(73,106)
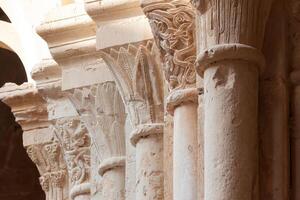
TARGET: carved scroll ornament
(173,27)
(75,142)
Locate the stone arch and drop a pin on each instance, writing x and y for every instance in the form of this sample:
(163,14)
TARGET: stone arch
(3,16)
(18,174)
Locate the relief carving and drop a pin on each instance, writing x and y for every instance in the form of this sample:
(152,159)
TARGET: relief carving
(173,26)
(138,76)
(137,71)
(101,108)
(52,168)
(75,142)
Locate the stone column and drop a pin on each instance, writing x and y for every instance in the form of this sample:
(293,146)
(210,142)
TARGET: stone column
(230,35)
(75,142)
(295,99)
(102,111)
(42,146)
(274,116)
(172,24)
(138,78)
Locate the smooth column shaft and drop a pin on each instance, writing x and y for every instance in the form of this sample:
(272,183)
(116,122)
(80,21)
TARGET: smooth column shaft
(185,152)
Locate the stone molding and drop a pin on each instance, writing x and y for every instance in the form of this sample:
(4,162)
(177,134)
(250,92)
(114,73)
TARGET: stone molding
(223,52)
(146,130)
(30,110)
(182,96)
(29,115)
(81,189)
(108,10)
(111,163)
(61,23)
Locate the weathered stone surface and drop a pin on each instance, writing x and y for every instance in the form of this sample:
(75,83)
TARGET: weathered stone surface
(119,112)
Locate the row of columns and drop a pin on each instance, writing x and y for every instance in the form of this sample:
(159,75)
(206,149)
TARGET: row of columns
(226,52)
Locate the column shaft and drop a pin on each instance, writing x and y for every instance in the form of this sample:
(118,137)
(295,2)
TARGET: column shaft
(230,131)
(114,184)
(149,168)
(230,36)
(185,152)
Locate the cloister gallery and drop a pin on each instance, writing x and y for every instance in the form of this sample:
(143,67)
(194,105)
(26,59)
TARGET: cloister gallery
(150,100)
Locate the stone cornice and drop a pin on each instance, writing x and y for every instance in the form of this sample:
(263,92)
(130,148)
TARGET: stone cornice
(107,10)
(65,24)
(119,22)
(47,75)
(28,107)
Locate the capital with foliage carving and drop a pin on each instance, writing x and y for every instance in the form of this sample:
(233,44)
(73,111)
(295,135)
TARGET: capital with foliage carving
(75,142)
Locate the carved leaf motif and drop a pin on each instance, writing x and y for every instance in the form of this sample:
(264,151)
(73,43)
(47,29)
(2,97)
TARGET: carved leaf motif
(104,111)
(75,142)
(50,163)
(138,76)
(173,28)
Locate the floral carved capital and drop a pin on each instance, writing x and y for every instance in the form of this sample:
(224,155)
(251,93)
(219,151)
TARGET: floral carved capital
(50,163)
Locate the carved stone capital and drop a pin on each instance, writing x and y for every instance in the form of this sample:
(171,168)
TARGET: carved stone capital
(42,146)
(49,160)
(173,26)
(111,163)
(181,96)
(145,130)
(137,73)
(102,111)
(75,143)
